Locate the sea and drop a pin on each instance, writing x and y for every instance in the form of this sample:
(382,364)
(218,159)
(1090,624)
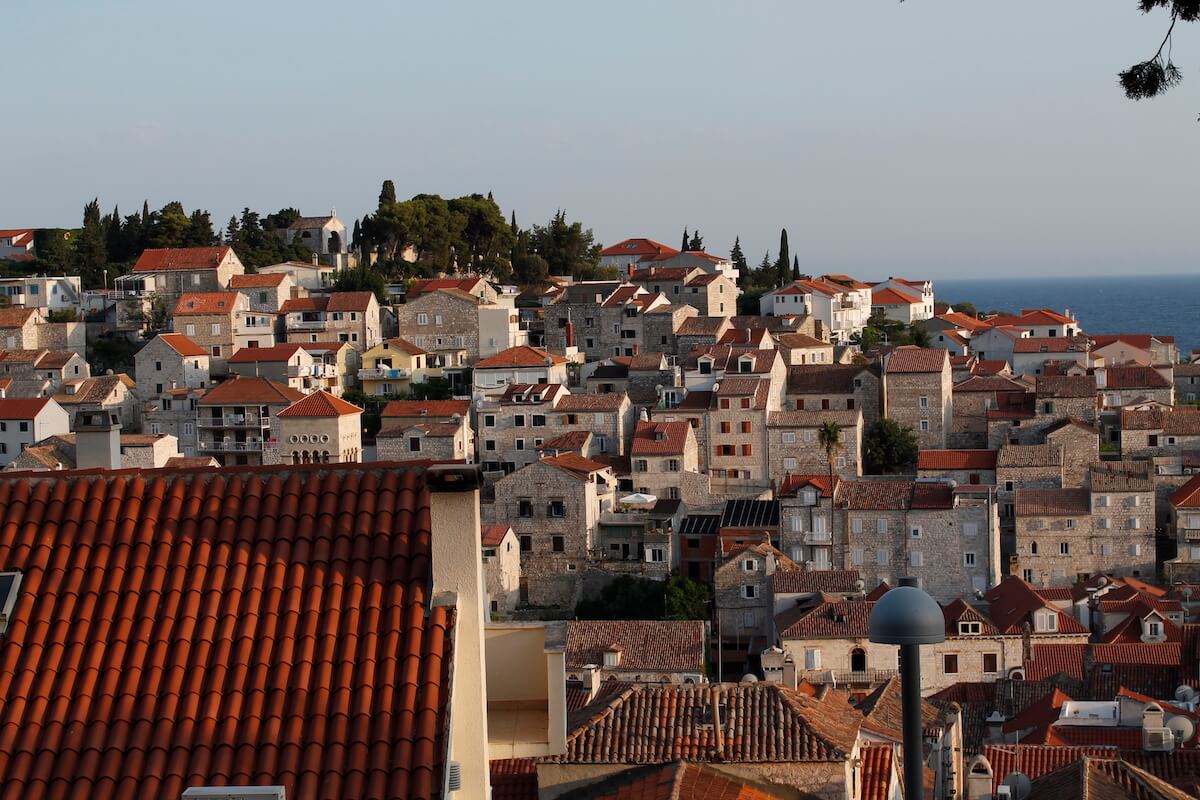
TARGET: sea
(1165,305)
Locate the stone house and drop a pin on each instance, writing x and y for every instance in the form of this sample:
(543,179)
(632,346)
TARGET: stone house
(1080,443)
(608,320)
(742,595)
(554,506)
(1161,434)
(800,349)
(947,539)
(704,367)
(918,393)
(317,429)
(711,294)
(169,361)
(306,367)
(323,235)
(793,443)
(638,651)
(1062,396)
(237,419)
(649,378)
(211,320)
(307,276)
(163,275)
(661,326)
(836,387)
(109,393)
(1109,527)
(1187,382)
(1134,385)
(665,462)
(1185,525)
(964,467)
(26,421)
(501,569)
(1135,348)
(696,331)
(577,303)
(737,434)
(265,292)
(29,329)
(472,285)
(525,365)
(350,317)
(442,428)
(806,530)
(1024,466)
(174,414)
(38,373)
(1032,355)
(973,399)
(59,452)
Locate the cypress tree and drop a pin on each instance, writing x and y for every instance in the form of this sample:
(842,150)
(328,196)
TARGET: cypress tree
(795,268)
(684,246)
(696,244)
(782,264)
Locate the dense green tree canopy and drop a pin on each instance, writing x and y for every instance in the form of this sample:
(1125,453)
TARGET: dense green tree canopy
(889,448)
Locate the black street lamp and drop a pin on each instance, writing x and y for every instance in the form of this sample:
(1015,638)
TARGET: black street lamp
(909,617)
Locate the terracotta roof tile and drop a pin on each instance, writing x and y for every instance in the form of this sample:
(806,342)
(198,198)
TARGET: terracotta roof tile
(1176,421)
(1029,455)
(1012,603)
(1134,377)
(350,301)
(22,408)
(651,646)
(803,581)
(238,391)
(893,297)
(1121,476)
(1051,344)
(1181,768)
(760,722)
(875,494)
(99,389)
(660,438)
(701,326)
(182,345)
(574,464)
(264,280)
(299,304)
(426,408)
(1188,495)
(493,535)
(251,355)
(813,419)
(792,484)
(957,459)
(192,304)
(427,285)
(249,626)
(638,247)
(916,359)
(320,404)
(522,356)
(1063,386)
(179,258)
(514,779)
(1053,502)
(831,619)
(823,379)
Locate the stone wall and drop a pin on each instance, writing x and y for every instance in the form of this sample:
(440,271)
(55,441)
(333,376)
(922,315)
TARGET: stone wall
(904,393)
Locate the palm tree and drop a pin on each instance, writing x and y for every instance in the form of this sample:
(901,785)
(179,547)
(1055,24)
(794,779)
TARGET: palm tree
(830,437)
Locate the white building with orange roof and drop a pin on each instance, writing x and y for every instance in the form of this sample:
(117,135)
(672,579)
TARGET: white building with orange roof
(236,419)
(17,243)
(631,253)
(525,364)
(350,317)
(842,310)
(393,365)
(1041,322)
(293,365)
(163,275)
(26,421)
(308,276)
(919,289)
(902,305)
(501,568)
(317,429)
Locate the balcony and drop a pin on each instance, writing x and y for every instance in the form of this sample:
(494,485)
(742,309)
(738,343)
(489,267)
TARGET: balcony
(232,447)
(234,421)
(818,537)
(526,697)
(384,374)
(307,325)
(854,677)
(1191,534)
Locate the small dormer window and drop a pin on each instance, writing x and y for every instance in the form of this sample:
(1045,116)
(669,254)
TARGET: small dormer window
(1045,622)
(612,657)
(967,628)
(10,586)
(746,364)
(706,366)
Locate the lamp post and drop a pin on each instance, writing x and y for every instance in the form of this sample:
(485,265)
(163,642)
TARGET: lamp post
(909,617)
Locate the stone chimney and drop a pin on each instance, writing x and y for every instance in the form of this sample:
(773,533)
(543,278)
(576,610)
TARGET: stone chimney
(590,676)
(97,440)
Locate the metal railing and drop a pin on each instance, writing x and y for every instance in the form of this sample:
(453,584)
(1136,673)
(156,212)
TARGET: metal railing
(233,421)
(307,324)
(232,447)
(850,676)
(383,373)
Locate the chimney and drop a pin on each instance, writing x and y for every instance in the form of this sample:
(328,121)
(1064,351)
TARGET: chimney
(569,331)
(458,581)
(591,680)
(97,440)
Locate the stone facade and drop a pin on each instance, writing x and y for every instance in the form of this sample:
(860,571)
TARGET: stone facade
(660,326)
(793,443)
(554,506)
(199,319)
(501,569)
(425,440)
(742,591)
(1080,448)
(842,387)
(316,439)
(920,398)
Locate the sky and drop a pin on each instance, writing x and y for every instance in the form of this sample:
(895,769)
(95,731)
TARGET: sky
(931,138)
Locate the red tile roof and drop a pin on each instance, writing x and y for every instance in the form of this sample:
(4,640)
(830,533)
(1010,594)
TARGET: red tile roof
(830,619)
(206,303)
(1174,421)
(1188,495)
(811,581)
(238,391)
(639,247)
(680,780)
(15,317)
(1179,767)
(349,301)
(1065,386)
(892,297)
(660,438)
(1134,377)
(426,408)
(277,352)
(612,401)
(916,359)
(493,535)
(1012,602)
(521,356)
(1053,502)
(574,464)
(254,626)
(182,344)
(20,408)
(257,281)
(956,459)
(427,285)
(646,645)
(320,404)
(792,484)
(173,258)
(877,771)
(514,779)
(1050,344)
(875,494)
(298,304)
(659,724)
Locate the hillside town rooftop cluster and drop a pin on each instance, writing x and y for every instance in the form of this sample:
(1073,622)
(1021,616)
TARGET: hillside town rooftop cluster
(219,571)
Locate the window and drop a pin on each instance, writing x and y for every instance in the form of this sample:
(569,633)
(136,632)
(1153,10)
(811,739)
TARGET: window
(969,628)
(489,444)
(856,555)
(1070,524)
(23,427)
(747,449)
(924,425)
(705,367)
(655,555)
(525,509)
(158,388)
(923,402)
(789,463)
(556,508)
(673,465)
(166,404)
(970,528)
(1064,548)
(216,350)
(856,525)
(641,465)
(950,663)
(882,556)
(915,532)
(991,663)
(520,444)
(188,428)
(538,420)
(1045,621)
(216,329)
(423,319)
(489,420)
(1008,486)
(749,591)
(745,402)
(556,544)
(747,427)
(414,444)
(1102,501)
(189,330)
(881,525)
(526,543)
(437,319)
(726,427)
(788,437)
(519,421)
(916,559)
(968,559)
(1027,575)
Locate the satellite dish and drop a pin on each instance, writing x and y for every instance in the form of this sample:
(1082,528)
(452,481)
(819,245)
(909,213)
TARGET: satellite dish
(1185,694)
(1182,727)
(1019,785)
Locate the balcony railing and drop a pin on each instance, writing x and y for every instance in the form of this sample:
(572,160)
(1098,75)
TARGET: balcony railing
(859,677)
(307,325)
(818,537)
(1191,535)
(383,374)
(234,421)
(232,447)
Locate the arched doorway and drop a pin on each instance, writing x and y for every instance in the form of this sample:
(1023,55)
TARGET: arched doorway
(858,660)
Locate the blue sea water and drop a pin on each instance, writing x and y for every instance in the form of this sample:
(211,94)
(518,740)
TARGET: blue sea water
(1166,305)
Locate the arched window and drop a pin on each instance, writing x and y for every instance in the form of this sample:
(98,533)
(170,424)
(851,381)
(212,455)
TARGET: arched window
(858,660)
(1033,548)
(295,457)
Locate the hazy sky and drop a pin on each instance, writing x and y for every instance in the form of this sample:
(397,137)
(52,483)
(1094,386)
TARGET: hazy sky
(931,138)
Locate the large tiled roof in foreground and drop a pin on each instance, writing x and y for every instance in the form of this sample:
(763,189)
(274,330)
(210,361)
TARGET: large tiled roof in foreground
(267,626)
